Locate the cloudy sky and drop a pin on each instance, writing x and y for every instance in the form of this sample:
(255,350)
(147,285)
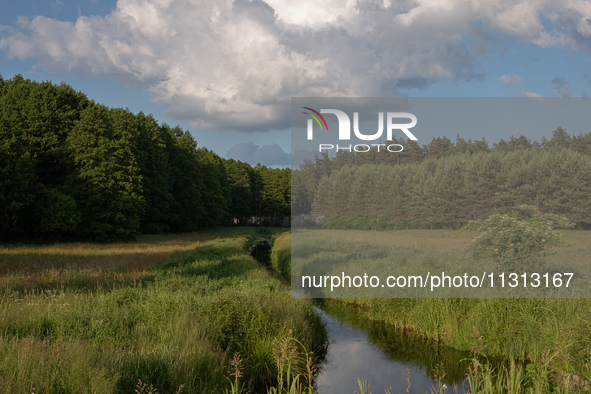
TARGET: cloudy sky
(226,70)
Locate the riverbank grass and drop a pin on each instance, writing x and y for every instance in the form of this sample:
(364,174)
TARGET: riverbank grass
(553,334)
(166,314)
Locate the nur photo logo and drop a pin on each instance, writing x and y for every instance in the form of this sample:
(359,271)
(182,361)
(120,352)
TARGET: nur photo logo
(344,129)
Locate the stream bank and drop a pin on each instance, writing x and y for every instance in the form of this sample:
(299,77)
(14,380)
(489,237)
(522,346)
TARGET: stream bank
(369,349)
(385,356)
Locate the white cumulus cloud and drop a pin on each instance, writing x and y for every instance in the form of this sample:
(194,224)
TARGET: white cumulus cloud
(235,64)
(510,79)
(525,93)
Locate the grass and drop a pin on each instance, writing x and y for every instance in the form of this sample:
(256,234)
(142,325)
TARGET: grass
(193,313)
(82,265)
(164,315)
(281,256)
(548,335)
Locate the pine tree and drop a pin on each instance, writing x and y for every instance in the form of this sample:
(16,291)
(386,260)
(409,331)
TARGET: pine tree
(412,153)
(439,147)
(445,193)
(570,182)
(480,146)
(462,146)
(582,144)
(560,138)
(502,146)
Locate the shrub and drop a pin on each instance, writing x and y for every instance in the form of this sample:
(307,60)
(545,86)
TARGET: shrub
(517,240)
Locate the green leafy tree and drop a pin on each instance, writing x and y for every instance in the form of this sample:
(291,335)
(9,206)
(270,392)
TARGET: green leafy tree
(300,203)
(36,119)
(42,115)
(107,183)
(185,180)
(58,213)
(240,177)
(153,161)
(304,184)
(216,189)
(275,194)
(18,187)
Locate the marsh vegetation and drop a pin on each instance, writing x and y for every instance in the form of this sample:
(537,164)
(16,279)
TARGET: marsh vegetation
(547,340)
(169,311)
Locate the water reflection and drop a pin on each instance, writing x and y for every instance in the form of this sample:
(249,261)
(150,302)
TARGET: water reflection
(382,355)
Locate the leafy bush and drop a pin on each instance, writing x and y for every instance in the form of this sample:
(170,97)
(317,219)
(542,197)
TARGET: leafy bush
(517,240)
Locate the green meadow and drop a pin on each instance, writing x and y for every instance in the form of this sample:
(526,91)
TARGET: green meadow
(166,314)
(194,313)
(334,253)
(551,336)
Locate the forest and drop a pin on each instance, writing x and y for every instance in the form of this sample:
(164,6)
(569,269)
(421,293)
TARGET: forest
(445,185)
(75,170)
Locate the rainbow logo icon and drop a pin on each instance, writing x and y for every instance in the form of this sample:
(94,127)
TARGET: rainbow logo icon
(315,118)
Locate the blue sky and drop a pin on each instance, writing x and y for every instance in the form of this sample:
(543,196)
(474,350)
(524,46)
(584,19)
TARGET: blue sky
(226,71)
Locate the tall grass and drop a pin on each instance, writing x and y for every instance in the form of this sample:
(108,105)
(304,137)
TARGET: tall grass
(545,334)
(83,266)
(281,256)
(175,325)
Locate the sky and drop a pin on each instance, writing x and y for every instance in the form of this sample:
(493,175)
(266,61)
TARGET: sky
(227,70)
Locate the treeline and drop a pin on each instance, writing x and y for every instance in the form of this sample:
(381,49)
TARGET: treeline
(444,185)
(72,169)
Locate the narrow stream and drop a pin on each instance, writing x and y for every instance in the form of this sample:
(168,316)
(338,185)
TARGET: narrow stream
(386,358)
(379,353)
(352,355)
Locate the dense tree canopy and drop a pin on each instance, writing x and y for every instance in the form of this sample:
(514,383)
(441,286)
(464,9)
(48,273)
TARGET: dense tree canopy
(444,185)
(72,169)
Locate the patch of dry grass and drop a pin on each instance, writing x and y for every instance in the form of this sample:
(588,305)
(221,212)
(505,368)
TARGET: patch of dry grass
(88,265)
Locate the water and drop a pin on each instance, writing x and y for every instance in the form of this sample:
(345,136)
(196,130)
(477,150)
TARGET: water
(384,356)
(352,355)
